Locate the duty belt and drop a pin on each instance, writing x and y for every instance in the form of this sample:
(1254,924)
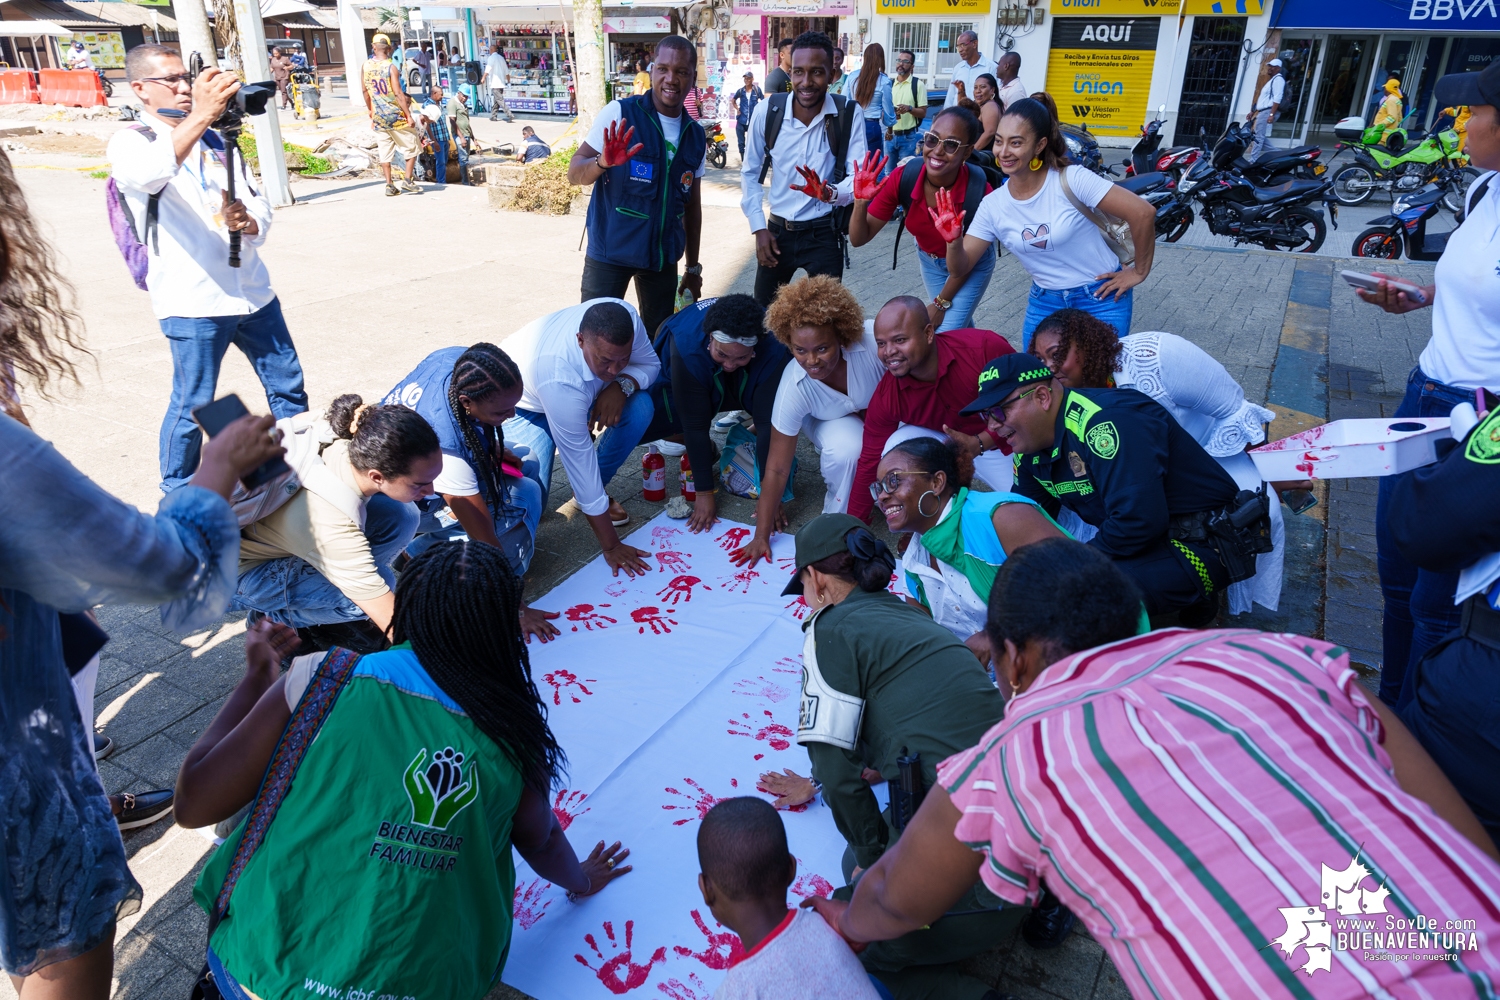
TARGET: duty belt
(1480,622)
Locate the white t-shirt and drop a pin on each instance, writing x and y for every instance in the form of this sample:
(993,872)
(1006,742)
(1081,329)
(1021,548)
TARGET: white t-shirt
(458,478)
(1271,93)
(80,59)
(966,74)
(671,128)
(1465,347)
(802,959)
(799,397)
(496,71)
(1056,243)
(950,596)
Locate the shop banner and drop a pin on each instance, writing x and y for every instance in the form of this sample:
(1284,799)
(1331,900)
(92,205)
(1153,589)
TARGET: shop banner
(950,7)
(1210,8)
(1115,8)
(637,26)
(795,8)
(1398,15)
(105,48)
(1099,71)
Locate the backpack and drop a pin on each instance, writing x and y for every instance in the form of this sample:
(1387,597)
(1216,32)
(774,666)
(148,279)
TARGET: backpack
(130,239)
(973,195)
(838,141)
(304,436)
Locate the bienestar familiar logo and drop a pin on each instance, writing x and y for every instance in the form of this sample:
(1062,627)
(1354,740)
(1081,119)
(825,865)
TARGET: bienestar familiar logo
(1355,917)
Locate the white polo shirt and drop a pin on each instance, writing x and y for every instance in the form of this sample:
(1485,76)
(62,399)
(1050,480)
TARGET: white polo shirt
(799,397)
(966,74)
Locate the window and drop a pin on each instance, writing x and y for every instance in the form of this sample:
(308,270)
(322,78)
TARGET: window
(913,35)
(947,45)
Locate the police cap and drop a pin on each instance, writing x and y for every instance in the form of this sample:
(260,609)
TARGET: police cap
(820,538)
(1004,376)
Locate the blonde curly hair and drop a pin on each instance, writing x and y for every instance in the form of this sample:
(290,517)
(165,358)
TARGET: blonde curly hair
(817,301)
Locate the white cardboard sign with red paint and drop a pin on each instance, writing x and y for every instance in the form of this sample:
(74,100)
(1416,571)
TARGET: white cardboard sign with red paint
(668,693)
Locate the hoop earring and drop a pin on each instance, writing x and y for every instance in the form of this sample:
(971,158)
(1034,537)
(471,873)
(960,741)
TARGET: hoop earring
(1036,163)
(924,496)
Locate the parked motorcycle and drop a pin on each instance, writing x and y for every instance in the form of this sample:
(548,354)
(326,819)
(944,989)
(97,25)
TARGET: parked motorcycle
(718,145)
(1404,231)
(104,84)
(1143,153)
(1396,166)
(1083,148)
(1160,190)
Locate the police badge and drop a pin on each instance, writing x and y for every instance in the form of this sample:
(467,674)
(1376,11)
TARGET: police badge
(1103,440)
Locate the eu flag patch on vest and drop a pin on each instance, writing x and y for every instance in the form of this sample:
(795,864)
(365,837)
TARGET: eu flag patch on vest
(641,171)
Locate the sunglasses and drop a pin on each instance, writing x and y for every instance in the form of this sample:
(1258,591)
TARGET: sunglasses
(997,413)
(891,483)
(950,146)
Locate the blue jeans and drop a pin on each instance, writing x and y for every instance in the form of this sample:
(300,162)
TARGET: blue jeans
(515,521)
(1044,302)
(290,591)
(611,448)
(875,140)
(903,145)
(1419,608)
(966,300)
(198,345)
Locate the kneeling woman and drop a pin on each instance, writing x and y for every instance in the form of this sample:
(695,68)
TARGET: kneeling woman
(377,849)
(322,561)
(959,538)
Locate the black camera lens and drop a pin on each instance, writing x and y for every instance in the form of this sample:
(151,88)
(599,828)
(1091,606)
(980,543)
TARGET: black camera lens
(252,98)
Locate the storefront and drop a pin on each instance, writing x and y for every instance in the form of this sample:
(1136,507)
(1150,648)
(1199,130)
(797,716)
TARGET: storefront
(1338,53)
(758,26)
(631,41)
(1099,69)
(537,58)
(930,29)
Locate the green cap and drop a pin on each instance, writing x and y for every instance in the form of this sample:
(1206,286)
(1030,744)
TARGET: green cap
(820,538)
(1004,376)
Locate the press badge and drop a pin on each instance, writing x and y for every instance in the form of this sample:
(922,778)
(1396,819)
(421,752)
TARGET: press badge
(640,171)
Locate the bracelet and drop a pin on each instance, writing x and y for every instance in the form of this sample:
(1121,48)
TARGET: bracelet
(574,896)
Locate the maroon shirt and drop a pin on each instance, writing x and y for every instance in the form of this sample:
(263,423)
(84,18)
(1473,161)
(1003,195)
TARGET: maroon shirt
(962,355)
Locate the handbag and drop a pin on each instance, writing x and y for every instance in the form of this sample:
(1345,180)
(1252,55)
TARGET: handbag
(1116,232)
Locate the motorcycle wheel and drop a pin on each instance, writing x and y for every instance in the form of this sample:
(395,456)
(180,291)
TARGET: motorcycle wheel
(1307,232)
(1344,180)
(1453,193)
(717,156)
(1378,241)
(1175,228)
(109,88)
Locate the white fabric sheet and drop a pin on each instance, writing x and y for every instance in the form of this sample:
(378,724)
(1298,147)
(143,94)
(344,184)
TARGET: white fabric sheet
(667,693)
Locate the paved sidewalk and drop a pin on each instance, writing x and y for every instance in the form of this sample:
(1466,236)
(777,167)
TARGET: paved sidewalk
(370,285)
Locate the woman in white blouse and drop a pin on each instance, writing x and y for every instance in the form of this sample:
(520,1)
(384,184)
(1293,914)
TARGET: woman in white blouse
(823,395)
(1085,353)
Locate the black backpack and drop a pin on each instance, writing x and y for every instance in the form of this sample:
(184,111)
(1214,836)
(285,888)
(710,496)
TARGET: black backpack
(973,195)
(838,141)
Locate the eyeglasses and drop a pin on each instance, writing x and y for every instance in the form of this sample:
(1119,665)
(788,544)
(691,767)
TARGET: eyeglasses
(997,413)
(950,146)
(891,483)
(173,82)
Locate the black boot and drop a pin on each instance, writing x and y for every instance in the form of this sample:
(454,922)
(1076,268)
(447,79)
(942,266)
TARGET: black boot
(360,635)
(1048,925)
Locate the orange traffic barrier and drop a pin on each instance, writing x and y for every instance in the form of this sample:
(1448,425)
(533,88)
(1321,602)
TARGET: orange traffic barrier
(78,88)
(17,87)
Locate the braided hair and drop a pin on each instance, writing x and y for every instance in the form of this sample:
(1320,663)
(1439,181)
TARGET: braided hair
(479,372)
(459,605)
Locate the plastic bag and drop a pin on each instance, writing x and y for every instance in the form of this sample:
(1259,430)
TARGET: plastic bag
(738,472)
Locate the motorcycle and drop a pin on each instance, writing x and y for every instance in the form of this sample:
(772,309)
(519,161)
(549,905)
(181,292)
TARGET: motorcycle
(1276,217)
(1143,153)
(1405,229)
(1083,148)
(1393,165)
(104,84)
(718,144)
(1160,190)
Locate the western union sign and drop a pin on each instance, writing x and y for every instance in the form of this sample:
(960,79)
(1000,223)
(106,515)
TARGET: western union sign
(1116,8)
(1099,71)
(932,6)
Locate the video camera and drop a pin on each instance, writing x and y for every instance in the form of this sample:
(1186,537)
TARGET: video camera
(250,99)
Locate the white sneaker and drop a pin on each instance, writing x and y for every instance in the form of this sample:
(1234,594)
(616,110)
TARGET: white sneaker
(672,448)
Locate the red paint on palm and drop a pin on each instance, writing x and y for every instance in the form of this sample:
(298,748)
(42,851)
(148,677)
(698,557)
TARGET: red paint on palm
(620,973)
(812,185)
(617,148)
(723,950)
(867,176)
(948,222)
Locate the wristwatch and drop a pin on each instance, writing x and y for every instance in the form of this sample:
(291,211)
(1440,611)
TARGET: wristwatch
(942,303)
(627,385)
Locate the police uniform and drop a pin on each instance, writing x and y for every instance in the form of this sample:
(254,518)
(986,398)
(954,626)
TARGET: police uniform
(1444,518)
(880,678)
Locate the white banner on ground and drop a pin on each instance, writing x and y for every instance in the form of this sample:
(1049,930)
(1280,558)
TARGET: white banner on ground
(668,693)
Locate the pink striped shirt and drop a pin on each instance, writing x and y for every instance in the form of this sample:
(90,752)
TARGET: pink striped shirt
(1198,800)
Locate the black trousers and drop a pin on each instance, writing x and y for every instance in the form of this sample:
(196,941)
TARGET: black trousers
(655,290)
(1175,575)
(817,249)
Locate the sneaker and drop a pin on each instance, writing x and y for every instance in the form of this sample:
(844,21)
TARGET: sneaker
(360,635)
(1048,925)
(103,746)
(139,809)
(391,190)
(410,187)
(672,448)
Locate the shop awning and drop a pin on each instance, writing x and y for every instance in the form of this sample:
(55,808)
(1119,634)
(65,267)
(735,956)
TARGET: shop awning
(58,14)
(130,15)
(31,29)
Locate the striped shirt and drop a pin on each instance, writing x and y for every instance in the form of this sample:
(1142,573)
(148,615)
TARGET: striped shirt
(1198,799)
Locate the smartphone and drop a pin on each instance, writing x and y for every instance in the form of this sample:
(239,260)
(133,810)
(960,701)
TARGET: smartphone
(1368,281)
(219,414)
(1299,501)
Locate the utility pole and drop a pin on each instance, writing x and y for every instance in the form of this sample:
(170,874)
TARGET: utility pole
(193,32)
(257,67)
(352,36)
(588,64)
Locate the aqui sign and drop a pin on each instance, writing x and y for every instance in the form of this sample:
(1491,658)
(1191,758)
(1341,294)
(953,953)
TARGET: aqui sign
(1099,71)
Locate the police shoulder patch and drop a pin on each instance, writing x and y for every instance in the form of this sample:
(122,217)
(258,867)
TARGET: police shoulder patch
(1103,440)
(1484,441)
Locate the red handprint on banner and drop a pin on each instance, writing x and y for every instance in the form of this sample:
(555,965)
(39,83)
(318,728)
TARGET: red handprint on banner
(619,973)
(779,737)
(585,615)
(867,176)
(786,563)
(560,679)
(529,907)
(740,581)
(676,562)
(761,688)
(693,989)
(664,535)
(811,884)
(617,148)
(724,947)
(798,608)
(788,665)
(680,589)
(655,618)
(731,539)
(948,223)
(616,588)
(565,807)
(698,804)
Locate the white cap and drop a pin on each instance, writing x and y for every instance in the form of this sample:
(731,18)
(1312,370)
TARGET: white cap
(1274,62)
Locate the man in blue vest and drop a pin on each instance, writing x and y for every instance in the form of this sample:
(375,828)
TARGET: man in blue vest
(644,157)
(715,355)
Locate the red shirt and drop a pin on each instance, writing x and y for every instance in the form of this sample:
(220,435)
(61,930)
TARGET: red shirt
(918,216)
(962,355)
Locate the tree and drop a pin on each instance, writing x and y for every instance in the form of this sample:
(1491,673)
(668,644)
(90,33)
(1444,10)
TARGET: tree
(588,69)
(194,35)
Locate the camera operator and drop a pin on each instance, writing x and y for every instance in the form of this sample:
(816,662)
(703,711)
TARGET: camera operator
(169,169)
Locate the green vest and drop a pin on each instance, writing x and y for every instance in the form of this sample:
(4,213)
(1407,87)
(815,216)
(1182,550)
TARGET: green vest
(388,866)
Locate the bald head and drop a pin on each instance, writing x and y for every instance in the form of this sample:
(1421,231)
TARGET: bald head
(904,339)
(904,310)
(1009,67)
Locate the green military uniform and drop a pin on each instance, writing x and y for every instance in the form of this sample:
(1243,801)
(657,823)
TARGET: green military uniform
(878,676)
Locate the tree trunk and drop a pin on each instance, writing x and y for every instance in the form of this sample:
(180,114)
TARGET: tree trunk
(194,34)
(588,68)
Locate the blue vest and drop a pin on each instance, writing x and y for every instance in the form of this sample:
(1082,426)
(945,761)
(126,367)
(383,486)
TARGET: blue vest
(426,391)
(980,539)
(635,213)
(686,328)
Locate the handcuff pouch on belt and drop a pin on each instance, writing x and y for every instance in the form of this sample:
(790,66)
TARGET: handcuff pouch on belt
(827,715)
(1237,532)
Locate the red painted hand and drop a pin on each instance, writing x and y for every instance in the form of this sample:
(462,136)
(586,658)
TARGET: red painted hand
(867,176)
(812,185)
(948,223)
(617,147)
